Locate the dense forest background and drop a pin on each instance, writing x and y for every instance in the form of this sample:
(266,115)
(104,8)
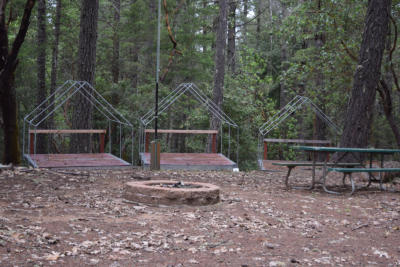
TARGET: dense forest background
(274,50)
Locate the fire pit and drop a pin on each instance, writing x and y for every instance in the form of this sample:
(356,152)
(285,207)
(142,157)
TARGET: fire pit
(167,192)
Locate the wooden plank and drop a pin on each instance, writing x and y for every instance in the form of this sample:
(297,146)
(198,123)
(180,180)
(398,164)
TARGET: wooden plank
(300,141)
(67,131)
(182,131)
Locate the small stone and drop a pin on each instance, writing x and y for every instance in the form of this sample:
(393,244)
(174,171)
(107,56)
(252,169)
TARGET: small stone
(276,264)
(94,261)
(269,245)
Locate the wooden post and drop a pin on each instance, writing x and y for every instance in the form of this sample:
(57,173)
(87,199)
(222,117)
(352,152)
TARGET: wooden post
(32,145)
(155,156)
(102,143)
(147,142)
(265,151)
(214,143)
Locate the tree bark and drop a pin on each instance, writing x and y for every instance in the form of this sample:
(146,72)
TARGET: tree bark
(115,60)
(219,74)
(115,97)
(8,65)
(386,98)
(232,37)
(366,78)
(54,60)
(86,70)
(41,144)
(320,129)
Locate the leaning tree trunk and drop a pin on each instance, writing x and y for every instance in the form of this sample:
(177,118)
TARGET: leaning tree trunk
(366,78)
(219,74)
(82,117)
(41,144)
(8,65)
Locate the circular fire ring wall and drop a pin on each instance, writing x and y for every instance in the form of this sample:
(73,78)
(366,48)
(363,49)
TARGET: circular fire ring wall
(167,192)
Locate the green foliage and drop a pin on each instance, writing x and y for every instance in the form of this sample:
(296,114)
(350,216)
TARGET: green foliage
(275,60)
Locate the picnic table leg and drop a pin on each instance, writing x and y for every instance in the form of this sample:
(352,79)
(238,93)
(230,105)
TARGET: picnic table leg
(380,174)
(370,174)
(353,187)
(287,177)
(324,179)
(314,159)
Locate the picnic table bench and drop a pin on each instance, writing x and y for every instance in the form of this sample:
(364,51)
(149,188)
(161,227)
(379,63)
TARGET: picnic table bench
(292,165)
(351,169)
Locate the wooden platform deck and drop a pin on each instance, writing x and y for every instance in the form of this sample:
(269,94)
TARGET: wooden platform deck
(96,160)
(191,161)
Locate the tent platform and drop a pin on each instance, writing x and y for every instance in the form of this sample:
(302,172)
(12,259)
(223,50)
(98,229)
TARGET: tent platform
(191,161)
(96,160)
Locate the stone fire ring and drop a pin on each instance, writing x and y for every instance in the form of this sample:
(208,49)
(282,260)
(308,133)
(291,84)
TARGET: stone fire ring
(159,192)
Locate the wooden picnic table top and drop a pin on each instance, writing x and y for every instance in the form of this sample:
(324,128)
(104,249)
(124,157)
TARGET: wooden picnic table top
(347,149)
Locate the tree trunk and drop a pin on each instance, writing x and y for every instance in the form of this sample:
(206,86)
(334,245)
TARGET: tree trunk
(54,60)
(319,132)
(219,74)
(115,98)
(86,70)
(386,98)
(232,36)
(385,90)
(366,78)
(41,145)
(284,65)
(245,13)
(8,64)
(115,60)
(258,24)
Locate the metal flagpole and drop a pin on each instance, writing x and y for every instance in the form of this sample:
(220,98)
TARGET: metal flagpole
(155,146)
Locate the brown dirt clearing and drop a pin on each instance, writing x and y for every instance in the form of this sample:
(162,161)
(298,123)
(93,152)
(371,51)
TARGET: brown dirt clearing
(79,218)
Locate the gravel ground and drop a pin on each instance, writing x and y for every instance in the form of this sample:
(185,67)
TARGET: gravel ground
(80,218)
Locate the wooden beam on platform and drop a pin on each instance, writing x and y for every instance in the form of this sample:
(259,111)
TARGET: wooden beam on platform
(67,131)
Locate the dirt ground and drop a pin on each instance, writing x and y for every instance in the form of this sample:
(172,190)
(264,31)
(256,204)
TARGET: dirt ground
(79,218)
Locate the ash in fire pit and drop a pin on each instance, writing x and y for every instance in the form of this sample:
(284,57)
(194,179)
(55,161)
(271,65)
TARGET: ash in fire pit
(167,192)
(179,184)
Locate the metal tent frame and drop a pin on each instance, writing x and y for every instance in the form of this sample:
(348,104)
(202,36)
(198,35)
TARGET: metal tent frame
(56,100)
(174,95)
(295,104)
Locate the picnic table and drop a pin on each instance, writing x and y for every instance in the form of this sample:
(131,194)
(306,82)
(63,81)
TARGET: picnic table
(350,169)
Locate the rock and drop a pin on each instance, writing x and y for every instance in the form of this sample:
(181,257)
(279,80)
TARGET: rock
(276,264)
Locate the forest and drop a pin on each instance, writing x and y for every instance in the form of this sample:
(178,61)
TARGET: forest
(250,56)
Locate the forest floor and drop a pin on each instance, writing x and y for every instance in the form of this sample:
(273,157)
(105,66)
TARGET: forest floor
(79,218)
